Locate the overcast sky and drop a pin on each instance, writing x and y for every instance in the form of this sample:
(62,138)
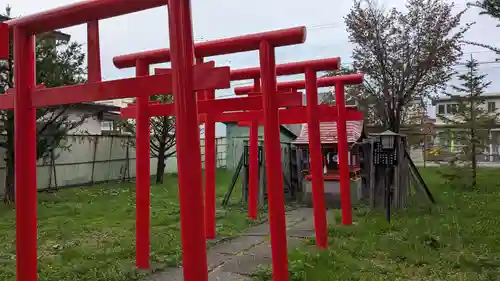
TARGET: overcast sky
(212,19)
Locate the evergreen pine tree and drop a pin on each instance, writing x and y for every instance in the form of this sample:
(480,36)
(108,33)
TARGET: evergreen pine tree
(470,122)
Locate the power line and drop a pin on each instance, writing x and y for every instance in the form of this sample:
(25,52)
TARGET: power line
(323,26)
(479,52)
(198,39)
(479,63)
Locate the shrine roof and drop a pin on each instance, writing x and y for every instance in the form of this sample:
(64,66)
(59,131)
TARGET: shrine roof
(328,132)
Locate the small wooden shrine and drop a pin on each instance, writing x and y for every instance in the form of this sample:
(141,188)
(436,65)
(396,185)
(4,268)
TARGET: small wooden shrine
(328,135)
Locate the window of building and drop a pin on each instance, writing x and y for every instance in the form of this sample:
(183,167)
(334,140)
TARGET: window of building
(441,109)
(107,125)
(452,108)
(492,106)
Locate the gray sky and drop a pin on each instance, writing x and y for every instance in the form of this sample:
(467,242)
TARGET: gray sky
(214,19)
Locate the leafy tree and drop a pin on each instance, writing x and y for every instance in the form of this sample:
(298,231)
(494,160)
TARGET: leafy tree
(492,9)
(163,140)
(406,55)
(58,63)
(472,122)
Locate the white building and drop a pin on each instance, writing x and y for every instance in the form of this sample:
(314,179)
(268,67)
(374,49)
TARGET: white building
(448,106)
(98,118)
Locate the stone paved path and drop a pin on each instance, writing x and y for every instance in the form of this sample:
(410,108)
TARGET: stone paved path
(236,259)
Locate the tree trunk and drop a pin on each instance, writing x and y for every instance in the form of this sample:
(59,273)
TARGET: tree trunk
(160,167)
(473,138)
(10,189)
(9,193)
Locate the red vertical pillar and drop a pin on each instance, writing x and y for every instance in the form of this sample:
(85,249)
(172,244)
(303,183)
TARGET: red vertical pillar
(316,162)
(142,185)
(253,167)
(25,156)
(272,147)
(253,184)
(93,52)
(343,148)
(210,170)
(194,256)
(210,165)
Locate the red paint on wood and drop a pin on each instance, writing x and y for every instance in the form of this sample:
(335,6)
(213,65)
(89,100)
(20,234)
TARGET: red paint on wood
(250,42)
(349,79)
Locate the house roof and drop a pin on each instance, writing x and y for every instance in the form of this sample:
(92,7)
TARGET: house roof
(328,132)
(105,111)
(443,99)
(98,106)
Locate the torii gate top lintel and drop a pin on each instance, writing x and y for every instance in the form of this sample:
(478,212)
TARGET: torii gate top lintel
(349,79)
(87,11)
(244,43)
(80,13)
(289,68)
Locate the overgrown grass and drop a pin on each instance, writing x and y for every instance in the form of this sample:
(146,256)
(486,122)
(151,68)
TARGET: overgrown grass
(457,240)
(88,234)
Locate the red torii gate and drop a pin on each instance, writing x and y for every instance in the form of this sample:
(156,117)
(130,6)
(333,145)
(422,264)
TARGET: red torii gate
(182,81)
(270,107)
(347,79)
(339,82)
(282,69)
(244,43)
(310,69)
(295,115)
(296,85)
(242,74)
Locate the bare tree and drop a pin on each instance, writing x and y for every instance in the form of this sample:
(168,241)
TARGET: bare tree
(405,55)
(162,141)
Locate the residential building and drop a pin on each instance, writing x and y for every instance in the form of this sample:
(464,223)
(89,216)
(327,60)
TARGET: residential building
(448,106)
(100,118)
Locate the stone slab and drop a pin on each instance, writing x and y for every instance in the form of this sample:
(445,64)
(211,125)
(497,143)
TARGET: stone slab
(237,245)
(245,264)
(215,259)
(219,275)
(237,259)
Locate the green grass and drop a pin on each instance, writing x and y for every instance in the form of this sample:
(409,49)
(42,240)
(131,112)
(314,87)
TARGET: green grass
(88,234)
(457,240)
